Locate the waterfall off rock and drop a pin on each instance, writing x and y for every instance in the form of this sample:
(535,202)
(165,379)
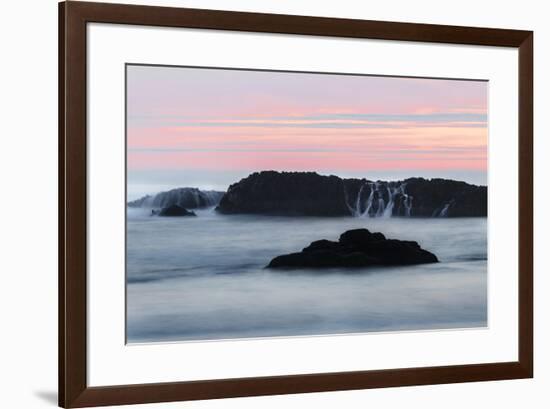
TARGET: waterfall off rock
(415,197)
(381,199)
(311,194)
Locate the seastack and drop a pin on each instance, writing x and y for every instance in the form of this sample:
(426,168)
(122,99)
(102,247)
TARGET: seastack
(311,194)
(187,197)
(286,193)
(356,248)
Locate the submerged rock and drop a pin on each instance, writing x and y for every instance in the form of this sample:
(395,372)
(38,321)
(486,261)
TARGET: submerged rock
(356,248)
(172,211)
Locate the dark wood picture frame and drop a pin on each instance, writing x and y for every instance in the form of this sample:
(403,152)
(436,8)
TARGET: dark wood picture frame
(73,388)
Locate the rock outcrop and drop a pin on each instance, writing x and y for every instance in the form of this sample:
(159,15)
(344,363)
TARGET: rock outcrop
(187,197)
(286,193)
(356,248)
(311,194)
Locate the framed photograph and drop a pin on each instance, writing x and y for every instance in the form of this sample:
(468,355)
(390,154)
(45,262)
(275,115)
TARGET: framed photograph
(255,204)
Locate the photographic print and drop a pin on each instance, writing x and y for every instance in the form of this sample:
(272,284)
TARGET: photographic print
(276,204)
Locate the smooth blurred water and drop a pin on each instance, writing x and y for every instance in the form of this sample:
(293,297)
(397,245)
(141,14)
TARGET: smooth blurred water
(198,278)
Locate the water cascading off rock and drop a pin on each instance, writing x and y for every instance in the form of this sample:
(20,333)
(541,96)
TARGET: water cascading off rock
(311,194)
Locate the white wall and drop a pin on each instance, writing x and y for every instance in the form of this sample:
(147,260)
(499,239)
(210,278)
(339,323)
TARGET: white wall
(28,160)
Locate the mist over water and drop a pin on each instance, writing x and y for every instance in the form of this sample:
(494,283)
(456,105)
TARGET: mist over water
(199,278)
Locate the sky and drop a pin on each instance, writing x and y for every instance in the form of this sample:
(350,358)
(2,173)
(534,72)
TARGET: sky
(209,128)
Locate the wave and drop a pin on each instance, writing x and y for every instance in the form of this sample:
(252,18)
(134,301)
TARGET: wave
(148,276)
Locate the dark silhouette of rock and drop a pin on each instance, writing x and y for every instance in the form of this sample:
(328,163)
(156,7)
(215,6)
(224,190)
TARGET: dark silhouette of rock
(286,193)
(311,194)
(187,197)
(416,197)
(173,211)
(356,248)
(447,198)
(357,236)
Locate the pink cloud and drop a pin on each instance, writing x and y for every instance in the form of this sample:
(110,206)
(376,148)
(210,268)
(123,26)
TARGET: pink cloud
(226,120)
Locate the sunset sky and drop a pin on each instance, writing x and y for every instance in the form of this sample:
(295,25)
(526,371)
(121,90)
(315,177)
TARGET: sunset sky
(208,128)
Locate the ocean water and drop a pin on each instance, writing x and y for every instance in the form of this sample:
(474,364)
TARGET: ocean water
(203,278)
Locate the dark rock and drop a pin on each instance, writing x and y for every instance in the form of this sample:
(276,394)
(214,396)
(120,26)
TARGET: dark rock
(359,236)
(356,248)
(322,245)
(286,193)
(311,194)
(447,198)
(415,197)
(174,210)
(187,197)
